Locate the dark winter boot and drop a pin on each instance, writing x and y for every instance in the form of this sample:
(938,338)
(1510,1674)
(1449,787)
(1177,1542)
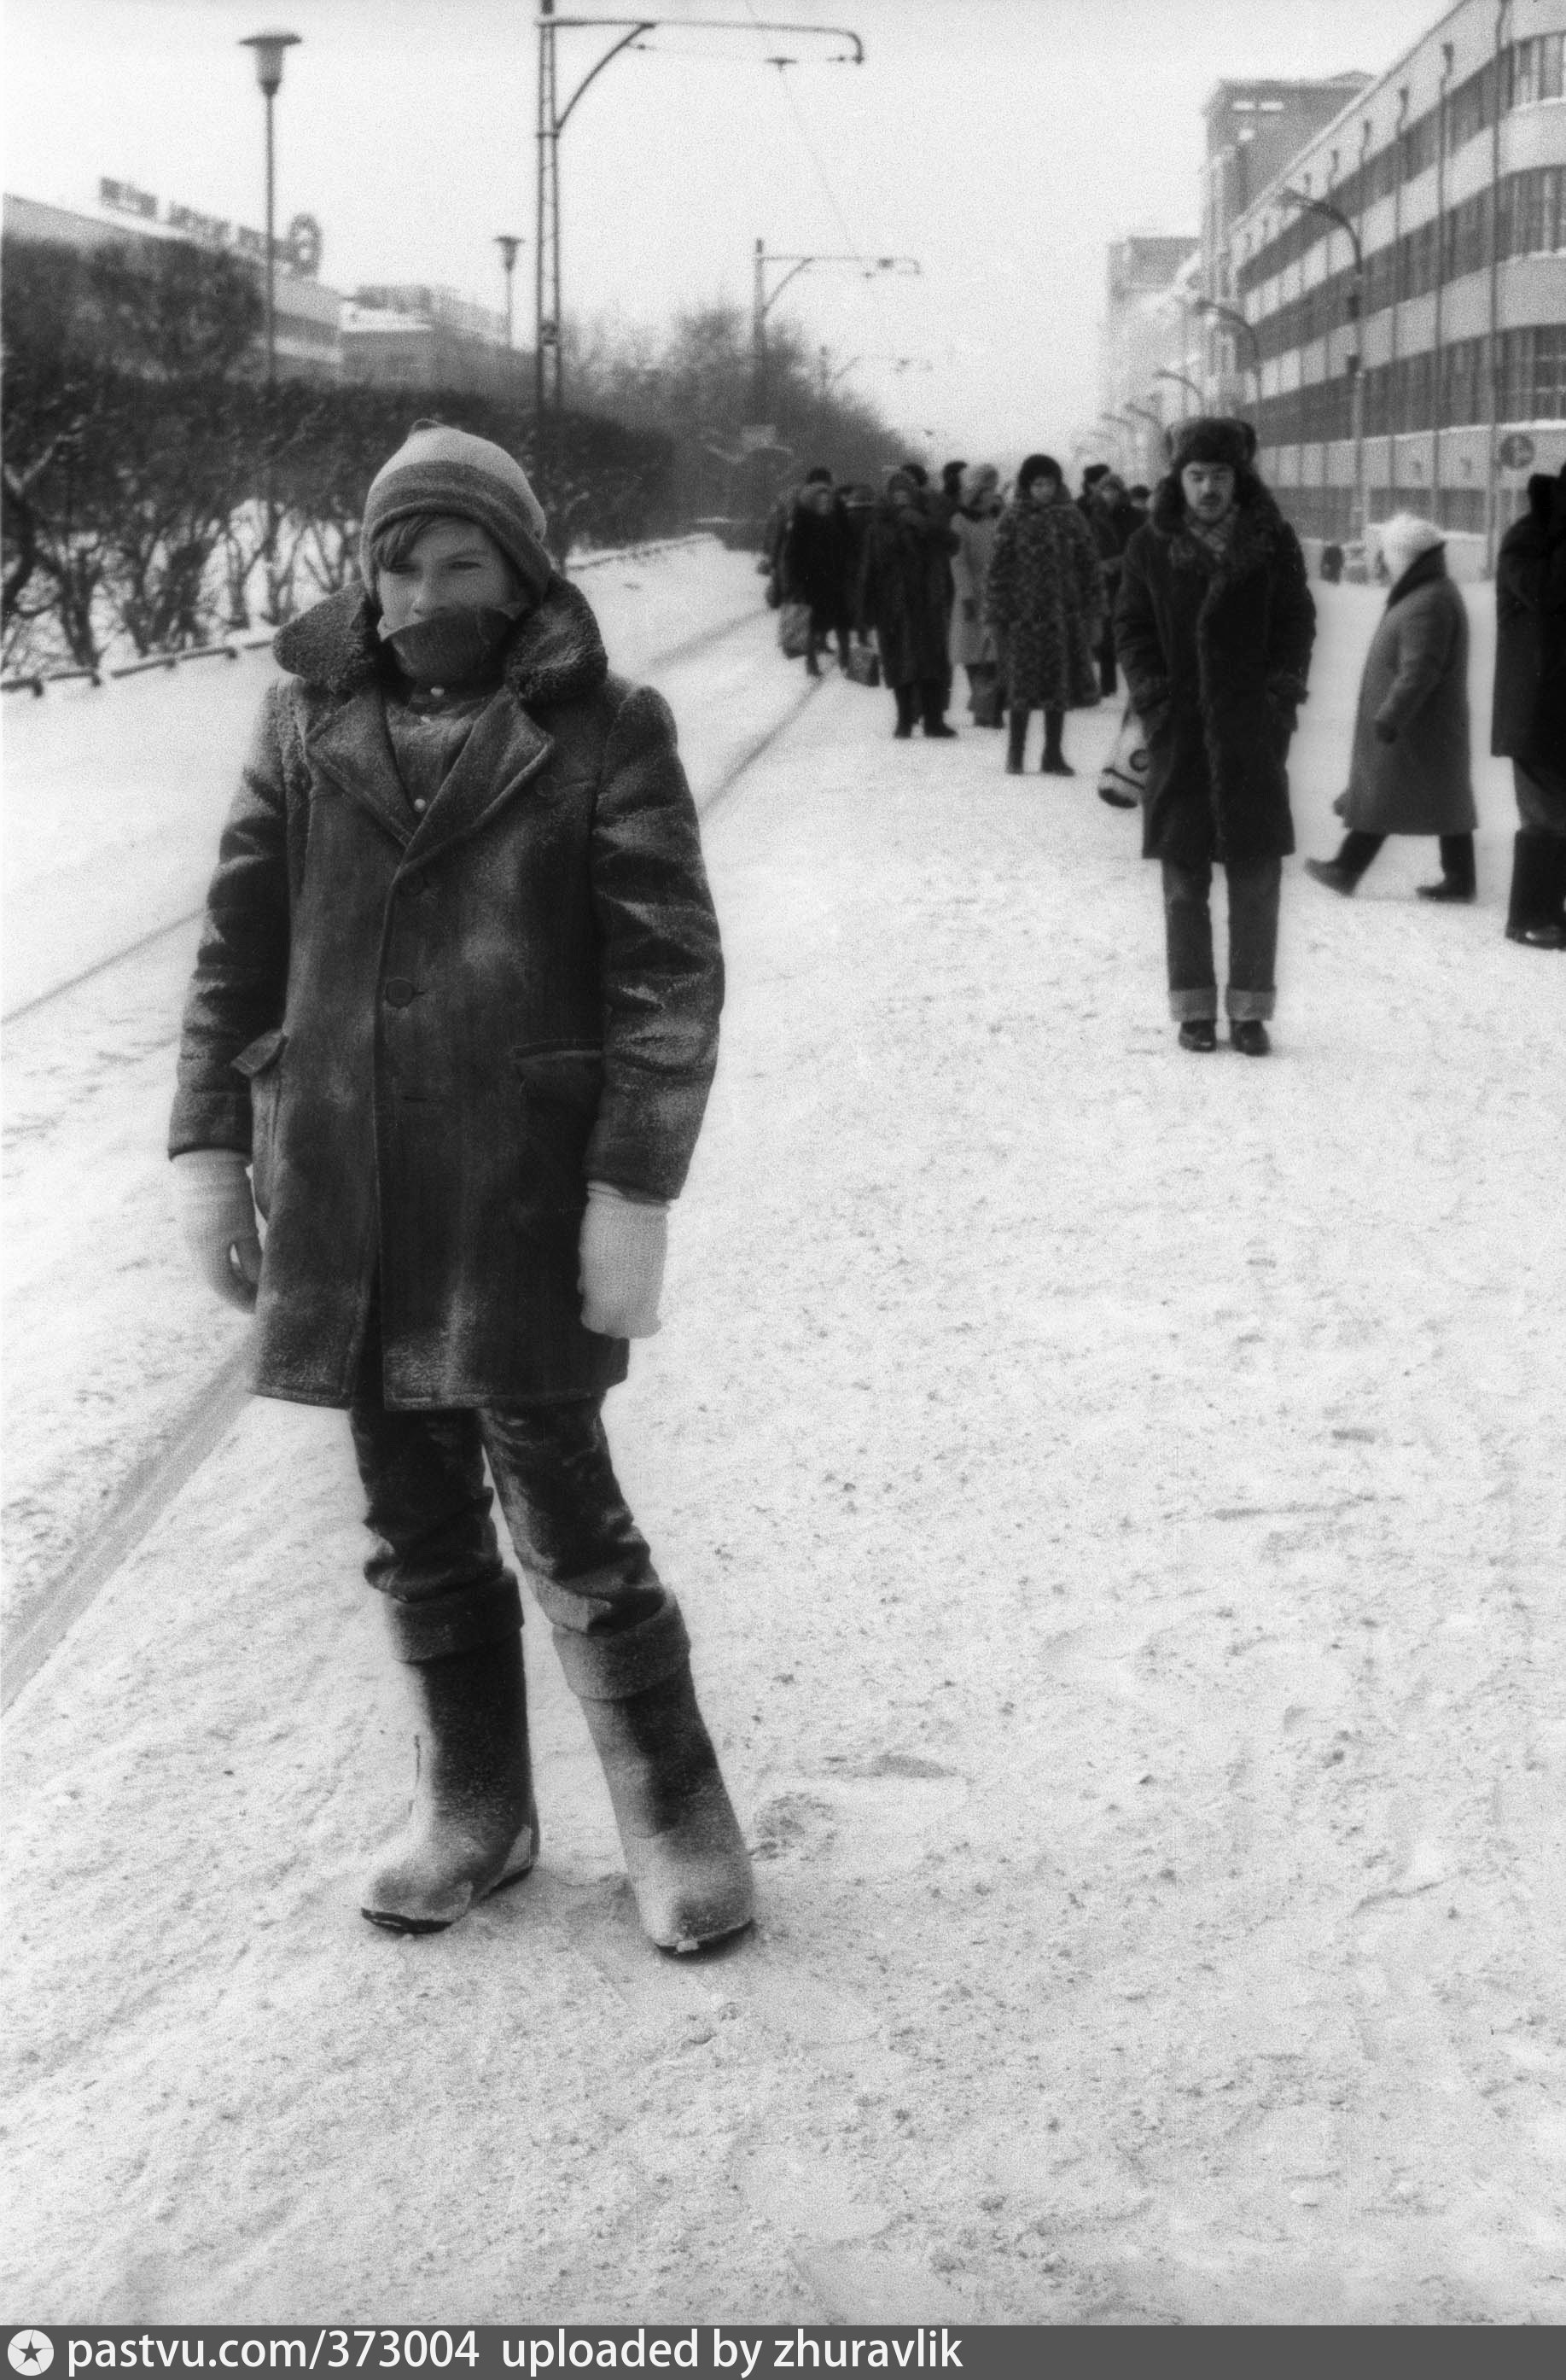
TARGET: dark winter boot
(1017,738)
(932,703)
(1249,1035)
(1457,881)
(1054,763)
(906,700)
(684,1855)
(1538,887)
(473,1826)
(1198,1033)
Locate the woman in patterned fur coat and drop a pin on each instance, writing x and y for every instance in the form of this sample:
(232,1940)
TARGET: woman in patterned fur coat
(1044,600)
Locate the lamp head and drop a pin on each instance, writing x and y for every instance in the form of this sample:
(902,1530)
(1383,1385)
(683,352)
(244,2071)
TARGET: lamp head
(269,49)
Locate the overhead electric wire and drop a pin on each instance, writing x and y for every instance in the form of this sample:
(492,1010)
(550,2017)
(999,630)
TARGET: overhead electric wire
(843,222)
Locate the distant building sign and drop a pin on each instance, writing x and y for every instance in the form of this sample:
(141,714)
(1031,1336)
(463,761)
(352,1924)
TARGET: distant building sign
(1516,451)
(299,247)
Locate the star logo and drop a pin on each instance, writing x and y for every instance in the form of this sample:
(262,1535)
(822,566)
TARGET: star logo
(30,2351)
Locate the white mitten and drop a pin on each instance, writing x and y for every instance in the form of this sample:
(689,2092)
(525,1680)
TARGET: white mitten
(218,1219)
(621,1250)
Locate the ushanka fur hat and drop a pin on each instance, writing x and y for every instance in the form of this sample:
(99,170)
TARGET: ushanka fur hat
(1211,438)
(452,472)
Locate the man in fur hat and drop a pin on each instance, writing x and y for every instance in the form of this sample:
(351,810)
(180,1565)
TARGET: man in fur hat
(451,1032)
(1214,625)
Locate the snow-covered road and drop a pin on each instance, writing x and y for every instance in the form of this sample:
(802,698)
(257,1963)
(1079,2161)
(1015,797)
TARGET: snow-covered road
(1118,1500)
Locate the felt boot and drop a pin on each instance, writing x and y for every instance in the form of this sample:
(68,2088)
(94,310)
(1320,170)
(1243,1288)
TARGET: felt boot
(1539,888)
(684,1855)
(906,700)
(473,1826)
(1016,739)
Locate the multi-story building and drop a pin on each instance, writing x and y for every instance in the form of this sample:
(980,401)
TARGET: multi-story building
(415,336)
(1141,334)
(1403,276)
(309,344)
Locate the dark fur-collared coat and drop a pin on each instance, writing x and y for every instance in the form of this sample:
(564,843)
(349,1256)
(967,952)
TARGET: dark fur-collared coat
(818,566)
(1529,718)
(1416,681)
(1044,600)
(428,1031)
(1216,652)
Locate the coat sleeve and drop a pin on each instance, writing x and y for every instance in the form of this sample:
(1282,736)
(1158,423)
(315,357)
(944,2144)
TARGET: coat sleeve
(1089,577)
(1138,644)
(1291,632)
(240,984)
(999,586)
(1424,656)
(663,969)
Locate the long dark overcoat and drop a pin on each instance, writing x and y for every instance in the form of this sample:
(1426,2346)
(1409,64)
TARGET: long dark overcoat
(816,567)
(430,1030)
(904,581)
(1044,600)
(1216,652)
(1529,718)
(1415,681)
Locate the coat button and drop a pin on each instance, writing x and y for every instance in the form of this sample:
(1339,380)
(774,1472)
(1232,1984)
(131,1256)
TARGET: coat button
(421,804)
(399,991)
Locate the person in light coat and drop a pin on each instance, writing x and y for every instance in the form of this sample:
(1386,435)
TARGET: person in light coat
(973,645)
(1411,771)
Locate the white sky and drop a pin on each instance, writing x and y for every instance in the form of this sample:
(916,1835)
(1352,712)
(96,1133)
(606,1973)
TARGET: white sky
(1003,143)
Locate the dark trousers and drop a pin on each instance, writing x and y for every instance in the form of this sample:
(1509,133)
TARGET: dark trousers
(1106,659)
(427,1511)
(1358,849)
(1253,889)
(927,699)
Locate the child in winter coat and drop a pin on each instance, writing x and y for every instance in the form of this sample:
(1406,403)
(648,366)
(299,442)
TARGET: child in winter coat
(451,1032)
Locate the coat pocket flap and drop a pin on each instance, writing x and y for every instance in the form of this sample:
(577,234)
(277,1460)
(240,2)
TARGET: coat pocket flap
(571,1073)
(260,1054)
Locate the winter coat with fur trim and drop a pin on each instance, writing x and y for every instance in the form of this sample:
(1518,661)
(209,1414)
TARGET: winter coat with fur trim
(1216,651)
(1044,599)
(1415,681)
(429,1030)
(904,584)
(1529,718)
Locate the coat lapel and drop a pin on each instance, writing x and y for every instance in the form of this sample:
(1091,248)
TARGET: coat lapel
(352,751)
(504,753)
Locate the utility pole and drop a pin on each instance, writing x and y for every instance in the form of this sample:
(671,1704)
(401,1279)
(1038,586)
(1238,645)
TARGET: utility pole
(1353,361)
(762,301)
(552,118)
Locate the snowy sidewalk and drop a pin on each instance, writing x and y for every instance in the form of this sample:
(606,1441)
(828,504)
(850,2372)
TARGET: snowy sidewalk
(1118,1500)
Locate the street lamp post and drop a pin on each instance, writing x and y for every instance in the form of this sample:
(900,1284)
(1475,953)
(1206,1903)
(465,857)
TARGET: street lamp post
(269,50)
(1185,383)
(548,384)
(1231,315)
(1353,361)
(1153,444)
(762,301)
(508,244)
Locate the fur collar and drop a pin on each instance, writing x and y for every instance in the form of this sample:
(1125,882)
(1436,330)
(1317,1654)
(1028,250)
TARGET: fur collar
(1431,564)
(555,653)
(1258,528)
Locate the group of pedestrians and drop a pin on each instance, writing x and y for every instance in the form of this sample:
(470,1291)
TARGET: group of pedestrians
(1201,600)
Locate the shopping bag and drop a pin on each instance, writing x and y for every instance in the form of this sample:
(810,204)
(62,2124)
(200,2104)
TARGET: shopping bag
(988,704)
(1123,780)
(793,630)
(864,665)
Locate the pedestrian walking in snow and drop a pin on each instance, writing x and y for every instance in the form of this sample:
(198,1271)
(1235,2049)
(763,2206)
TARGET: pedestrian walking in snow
(455,1008)
(1214,627)
(972,644)
(1044,601)
(1410,772)
(816,562)
(904,579)
(1528,722)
